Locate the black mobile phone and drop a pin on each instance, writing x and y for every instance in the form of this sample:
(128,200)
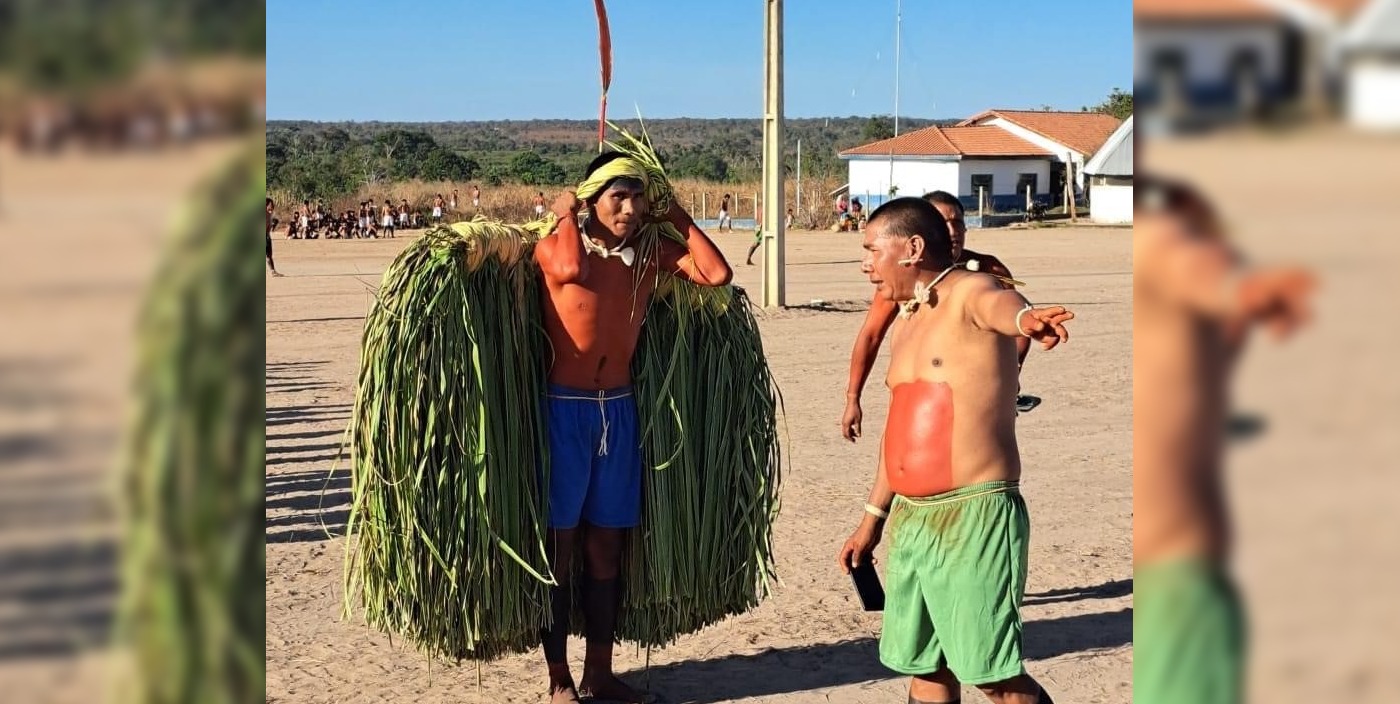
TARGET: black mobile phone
(1026,404)
(872,595)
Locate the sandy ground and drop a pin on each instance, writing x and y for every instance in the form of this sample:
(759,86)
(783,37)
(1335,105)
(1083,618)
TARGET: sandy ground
(1317,551)
(80,236)
(810,642)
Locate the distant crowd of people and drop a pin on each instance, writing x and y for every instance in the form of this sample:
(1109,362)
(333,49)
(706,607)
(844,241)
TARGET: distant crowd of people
(120,120)
(315,221)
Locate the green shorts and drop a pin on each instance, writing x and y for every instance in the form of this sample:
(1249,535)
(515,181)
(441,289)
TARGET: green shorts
(1188,635)
(954,581)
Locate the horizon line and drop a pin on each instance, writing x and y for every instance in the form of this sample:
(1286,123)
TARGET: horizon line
(594,120)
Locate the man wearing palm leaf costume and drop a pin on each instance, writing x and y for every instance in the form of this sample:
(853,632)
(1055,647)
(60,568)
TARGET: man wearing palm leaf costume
(596,286)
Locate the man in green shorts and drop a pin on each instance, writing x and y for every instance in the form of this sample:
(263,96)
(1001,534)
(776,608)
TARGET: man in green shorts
(959,527)
(757,235)
(1193,304)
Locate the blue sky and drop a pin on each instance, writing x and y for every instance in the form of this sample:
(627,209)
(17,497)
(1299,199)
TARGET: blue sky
(434,60)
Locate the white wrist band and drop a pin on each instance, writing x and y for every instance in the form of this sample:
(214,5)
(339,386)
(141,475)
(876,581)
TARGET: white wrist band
(1020,329)
(876,511)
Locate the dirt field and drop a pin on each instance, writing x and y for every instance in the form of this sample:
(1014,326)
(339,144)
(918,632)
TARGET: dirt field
(1314,493)
(80,235)
(810,642)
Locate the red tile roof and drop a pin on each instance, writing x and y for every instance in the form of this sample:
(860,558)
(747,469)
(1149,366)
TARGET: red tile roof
(1083,132)
(951,141)
(1224,10)
(1203,10)
(1343,9)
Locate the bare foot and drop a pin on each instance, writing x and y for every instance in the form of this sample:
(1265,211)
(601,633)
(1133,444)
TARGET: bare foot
(563,692)
(607,687)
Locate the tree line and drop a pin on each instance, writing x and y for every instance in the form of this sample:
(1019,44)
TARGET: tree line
(78,44)
(331,159)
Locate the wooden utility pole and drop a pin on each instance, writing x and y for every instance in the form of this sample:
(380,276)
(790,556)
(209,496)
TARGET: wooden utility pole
(774,230)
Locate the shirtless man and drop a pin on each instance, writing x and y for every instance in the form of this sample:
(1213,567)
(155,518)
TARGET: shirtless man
(386,217)
(595,297)
(539,205)
(883,310)
(438,204)
(949,465)
(1194,303)
(476,197)
(453,202)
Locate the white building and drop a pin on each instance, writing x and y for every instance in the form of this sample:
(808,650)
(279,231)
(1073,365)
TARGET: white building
(1110,174)
(1071,136)
(1211,56)
(1237,58)
(1371,56)
(1004,155)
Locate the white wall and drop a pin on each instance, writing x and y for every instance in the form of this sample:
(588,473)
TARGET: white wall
(1111,204)
(1005,173)
(1037,139)
(1209,50)
(1373,94)
(913,177)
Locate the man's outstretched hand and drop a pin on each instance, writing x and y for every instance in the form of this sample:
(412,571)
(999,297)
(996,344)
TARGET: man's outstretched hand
(1046,325)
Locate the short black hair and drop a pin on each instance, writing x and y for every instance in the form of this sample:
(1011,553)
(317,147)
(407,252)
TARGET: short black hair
(907,217)
(945,198)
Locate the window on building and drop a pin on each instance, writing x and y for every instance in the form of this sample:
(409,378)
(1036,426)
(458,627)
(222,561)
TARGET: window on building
(982,181)
(1024,180)
(1169,78)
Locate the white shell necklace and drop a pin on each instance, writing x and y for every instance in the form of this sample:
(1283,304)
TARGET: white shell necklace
(922,293)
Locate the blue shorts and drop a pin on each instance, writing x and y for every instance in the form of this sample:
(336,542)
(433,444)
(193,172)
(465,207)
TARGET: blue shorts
(595,456)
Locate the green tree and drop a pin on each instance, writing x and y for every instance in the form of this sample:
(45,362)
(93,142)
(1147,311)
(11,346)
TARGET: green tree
(335,140)
(532,169)
(699,163)
(444,165)
(878,127)
(496,174)
(316,177)
(1119,104)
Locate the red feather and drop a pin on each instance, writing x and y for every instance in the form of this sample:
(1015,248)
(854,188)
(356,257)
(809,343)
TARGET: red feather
(605,55)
